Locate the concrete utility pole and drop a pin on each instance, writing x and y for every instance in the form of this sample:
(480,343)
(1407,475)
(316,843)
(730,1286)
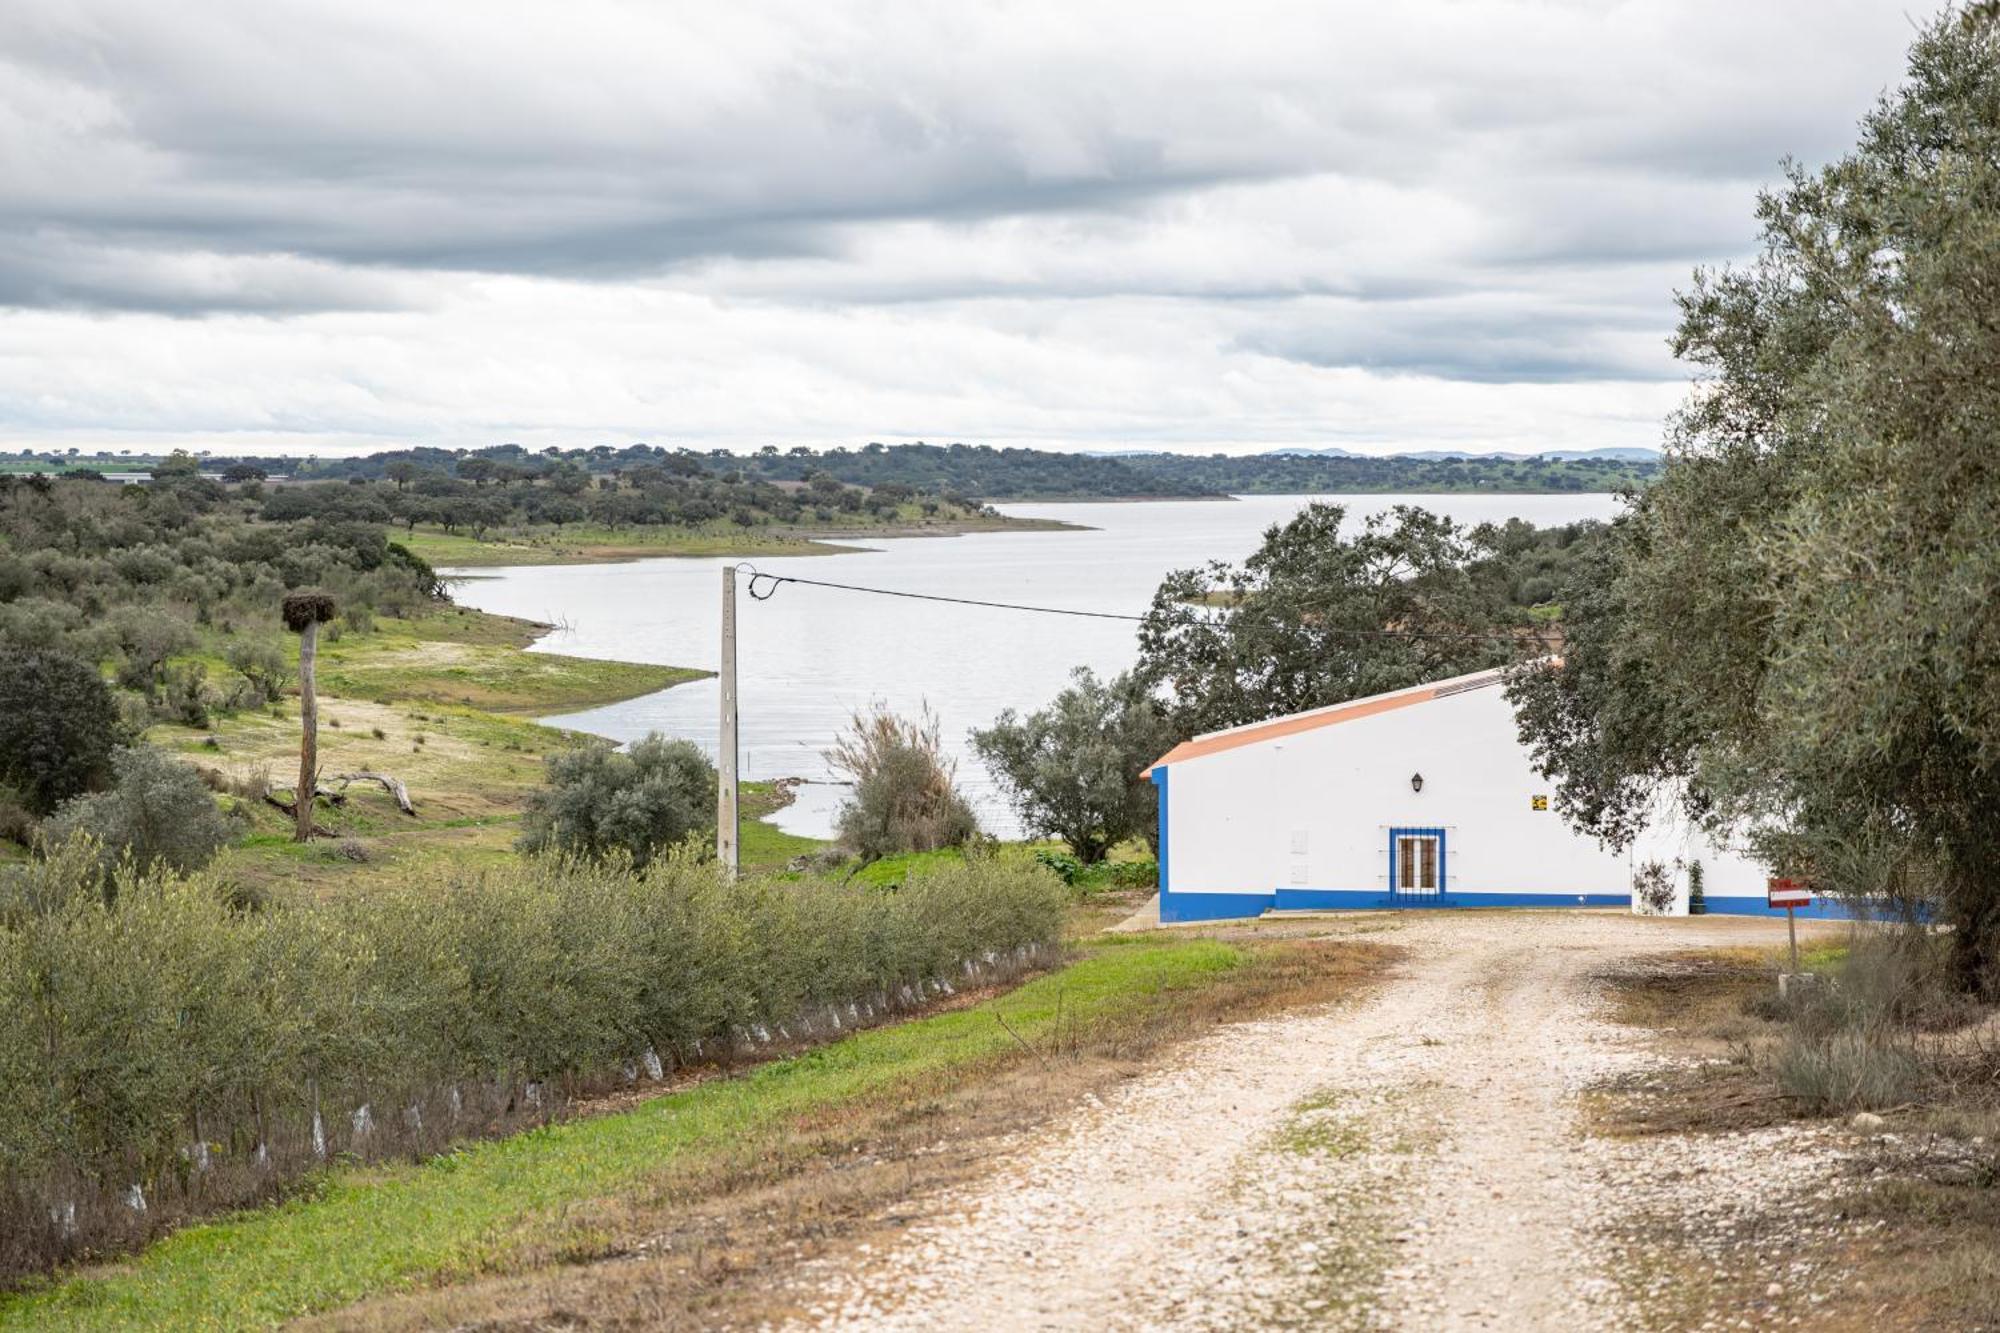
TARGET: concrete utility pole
(725,787)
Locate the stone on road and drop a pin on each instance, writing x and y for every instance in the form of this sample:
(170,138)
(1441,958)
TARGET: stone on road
(1411,1159)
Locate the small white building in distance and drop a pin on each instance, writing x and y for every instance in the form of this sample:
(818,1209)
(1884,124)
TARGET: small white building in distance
(1423,797)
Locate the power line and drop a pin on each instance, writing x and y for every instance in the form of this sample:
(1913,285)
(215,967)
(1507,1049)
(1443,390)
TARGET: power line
(775,579)
(772,581)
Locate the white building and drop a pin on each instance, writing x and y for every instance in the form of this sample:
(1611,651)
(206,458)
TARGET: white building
(1418,798)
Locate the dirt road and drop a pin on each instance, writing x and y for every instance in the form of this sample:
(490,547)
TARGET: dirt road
(1413,1160)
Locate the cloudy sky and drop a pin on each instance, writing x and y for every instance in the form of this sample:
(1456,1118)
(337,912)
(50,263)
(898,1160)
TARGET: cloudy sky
(269,224)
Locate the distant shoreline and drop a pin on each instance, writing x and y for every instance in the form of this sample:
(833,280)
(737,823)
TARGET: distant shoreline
(552,549)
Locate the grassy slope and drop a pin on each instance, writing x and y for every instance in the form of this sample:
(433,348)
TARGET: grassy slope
(443,692)
(490,1206)
(461,656)
(583,544)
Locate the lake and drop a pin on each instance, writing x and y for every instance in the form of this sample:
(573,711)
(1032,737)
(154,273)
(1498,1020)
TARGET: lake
(809,657)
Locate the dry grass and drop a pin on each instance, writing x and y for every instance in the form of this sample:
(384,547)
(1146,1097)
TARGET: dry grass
(1702,1006)
(725,1245)
(1930,1183)
(468,779)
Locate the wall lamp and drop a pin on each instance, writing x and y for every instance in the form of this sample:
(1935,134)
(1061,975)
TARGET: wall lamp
(1416,782)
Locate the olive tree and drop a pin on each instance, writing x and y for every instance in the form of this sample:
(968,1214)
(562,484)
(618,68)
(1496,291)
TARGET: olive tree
(157,811)
(1317,616)
(1073,768)
(637,802)
(1797,627)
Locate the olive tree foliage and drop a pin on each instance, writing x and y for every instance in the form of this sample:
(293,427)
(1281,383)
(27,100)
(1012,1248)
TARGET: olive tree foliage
(157,813)
(1073,768)
(58,726)
(636,803)
(904,796)
(1316,617)
(1799,625)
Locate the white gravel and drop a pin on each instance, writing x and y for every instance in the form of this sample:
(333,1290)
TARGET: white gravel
(1409,1161)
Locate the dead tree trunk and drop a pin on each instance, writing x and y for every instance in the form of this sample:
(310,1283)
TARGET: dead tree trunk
(308,734)
(304,613)
(393,785)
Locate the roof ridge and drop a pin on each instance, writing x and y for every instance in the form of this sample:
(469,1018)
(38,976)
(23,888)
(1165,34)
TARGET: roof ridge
(1291,724)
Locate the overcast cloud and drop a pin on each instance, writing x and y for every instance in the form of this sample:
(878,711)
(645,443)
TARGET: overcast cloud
(1437,223)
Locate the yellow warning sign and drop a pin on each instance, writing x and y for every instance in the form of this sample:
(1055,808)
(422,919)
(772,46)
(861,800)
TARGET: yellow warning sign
(1538,802)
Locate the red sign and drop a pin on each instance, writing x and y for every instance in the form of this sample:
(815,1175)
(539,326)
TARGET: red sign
(1788,892)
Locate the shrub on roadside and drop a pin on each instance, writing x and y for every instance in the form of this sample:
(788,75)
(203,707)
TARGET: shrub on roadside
(187,1047)
(1853,1041)
(1848,1070)
(903,798)
(635,803)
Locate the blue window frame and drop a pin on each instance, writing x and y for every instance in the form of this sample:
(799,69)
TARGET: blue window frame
(1417,862)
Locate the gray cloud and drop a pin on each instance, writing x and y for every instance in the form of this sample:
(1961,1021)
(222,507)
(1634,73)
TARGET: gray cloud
(1493,193)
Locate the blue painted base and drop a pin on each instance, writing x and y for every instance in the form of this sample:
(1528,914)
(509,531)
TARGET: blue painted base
(1181,907)
(1822,909)
(1211,906)
(1322,900)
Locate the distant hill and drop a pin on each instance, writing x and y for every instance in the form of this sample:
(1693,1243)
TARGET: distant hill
(1340,472)
(1623,453)
(981,472)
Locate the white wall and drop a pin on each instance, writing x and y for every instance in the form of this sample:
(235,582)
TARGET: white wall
(1237,816)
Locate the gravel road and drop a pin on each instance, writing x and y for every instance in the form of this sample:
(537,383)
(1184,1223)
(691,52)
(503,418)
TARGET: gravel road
(1410,1160)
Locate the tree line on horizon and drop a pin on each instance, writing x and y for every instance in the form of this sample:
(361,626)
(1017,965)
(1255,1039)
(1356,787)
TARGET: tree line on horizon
(959,472)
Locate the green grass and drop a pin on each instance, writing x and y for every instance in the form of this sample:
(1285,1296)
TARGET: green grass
(762,846)
(579,545)
(476,661)
(367,1232)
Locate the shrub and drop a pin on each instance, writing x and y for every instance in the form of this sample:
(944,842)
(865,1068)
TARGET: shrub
(1064,866)
(164,1016)
(16,824)
(1851,1041)
(1073,768)
(1848,1070)
(599,801)
(158,812)
(1653,887)
(184,694)
(58,726)
(903,799)
(267,666)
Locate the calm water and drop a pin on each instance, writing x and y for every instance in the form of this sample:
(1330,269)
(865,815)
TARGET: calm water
(809,657)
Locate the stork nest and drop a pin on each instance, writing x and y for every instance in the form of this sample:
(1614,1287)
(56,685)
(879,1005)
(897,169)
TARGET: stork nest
(307,608)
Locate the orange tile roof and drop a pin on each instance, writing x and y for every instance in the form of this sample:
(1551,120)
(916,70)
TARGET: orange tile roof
(1258,732)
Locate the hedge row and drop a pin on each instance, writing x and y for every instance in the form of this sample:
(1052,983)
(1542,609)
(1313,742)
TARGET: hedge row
(167,1052)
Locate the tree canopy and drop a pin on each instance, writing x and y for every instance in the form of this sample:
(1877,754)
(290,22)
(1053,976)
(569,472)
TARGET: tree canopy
(1073,767)
(1799,625)
(637,802)
(1317,616)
